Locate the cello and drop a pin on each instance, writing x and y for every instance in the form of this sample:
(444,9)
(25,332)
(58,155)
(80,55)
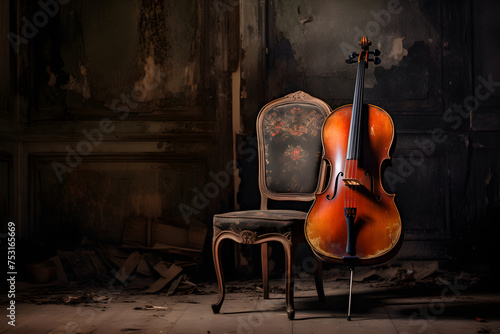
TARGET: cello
(353,220)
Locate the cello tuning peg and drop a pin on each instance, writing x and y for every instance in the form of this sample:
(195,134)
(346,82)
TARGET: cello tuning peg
(376,52)
(364,43)
(352,58)
(377,61)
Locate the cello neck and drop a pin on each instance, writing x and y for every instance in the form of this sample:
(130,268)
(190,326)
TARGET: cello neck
(357,105)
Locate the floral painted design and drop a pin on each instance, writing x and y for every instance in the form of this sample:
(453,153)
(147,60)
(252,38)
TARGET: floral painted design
(294,152)
(292,144)
(296,121)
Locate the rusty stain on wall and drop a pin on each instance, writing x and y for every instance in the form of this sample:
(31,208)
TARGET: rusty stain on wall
(80,85)
(312,39)
(148,51)
(394,55)
(168,45)
(52,77)
(148,88)
(153,30)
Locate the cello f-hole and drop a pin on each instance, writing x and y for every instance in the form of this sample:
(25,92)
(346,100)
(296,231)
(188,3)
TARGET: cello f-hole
(328,197)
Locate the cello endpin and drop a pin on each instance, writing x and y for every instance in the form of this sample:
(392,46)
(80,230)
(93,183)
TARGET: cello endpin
(350,295)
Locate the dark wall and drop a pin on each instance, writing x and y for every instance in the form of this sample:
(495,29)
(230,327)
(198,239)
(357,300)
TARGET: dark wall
(438,80)
(95,60)
(111,110)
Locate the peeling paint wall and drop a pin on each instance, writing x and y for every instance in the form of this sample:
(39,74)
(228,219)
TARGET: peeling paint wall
(158,21)
(115,109)
(315,37)
(150,49)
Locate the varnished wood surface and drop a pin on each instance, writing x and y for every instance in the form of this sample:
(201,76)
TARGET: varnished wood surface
(377,225)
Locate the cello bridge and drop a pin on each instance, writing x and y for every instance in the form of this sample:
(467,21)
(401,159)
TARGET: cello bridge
(352,182)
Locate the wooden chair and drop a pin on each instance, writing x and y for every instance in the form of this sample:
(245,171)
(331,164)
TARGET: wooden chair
(290,152)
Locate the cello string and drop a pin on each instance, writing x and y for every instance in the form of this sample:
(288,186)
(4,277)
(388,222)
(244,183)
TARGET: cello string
(359,106)
(355,130)
(354,135)
(352,153)
(351,167)
(358,126)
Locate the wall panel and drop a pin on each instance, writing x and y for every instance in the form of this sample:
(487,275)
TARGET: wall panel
(104,192)
(131,100)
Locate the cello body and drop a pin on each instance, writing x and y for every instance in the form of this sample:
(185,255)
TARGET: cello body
(354,220)
(377,225)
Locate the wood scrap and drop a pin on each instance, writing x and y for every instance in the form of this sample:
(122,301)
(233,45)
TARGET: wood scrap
(175,249)
(162,268)
(99,299)
(143,267)
(170,235)
(152,258)
(128,267)
(187,282)
(76,299)
(424,269)
(158,285)
(152,307)
(167,276)
(174,285)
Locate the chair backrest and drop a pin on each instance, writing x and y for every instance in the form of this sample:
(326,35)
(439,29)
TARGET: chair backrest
(290,148)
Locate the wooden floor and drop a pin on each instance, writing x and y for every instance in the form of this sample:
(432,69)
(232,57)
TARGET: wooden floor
(447,307)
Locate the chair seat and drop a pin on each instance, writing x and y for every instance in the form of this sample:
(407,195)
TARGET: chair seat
(260,221)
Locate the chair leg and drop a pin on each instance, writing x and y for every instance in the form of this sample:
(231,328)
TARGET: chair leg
(318,280)
(264,256)
(216,252)
(289,278)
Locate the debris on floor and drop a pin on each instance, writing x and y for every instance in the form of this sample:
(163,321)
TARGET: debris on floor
(171,236)
(92,266)
(154,256)
(159,261)
(395,273)
(151,307)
